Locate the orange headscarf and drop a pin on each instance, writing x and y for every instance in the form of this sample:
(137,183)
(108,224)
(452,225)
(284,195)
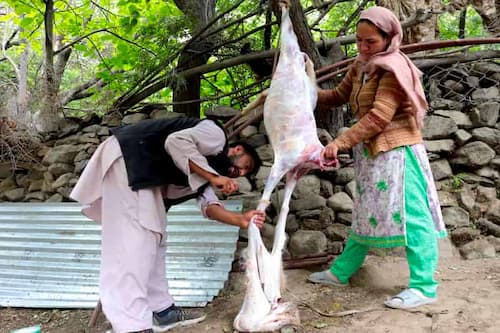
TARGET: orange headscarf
(395,61)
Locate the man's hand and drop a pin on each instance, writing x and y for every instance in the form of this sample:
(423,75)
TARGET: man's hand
(259,217)
(330,151)
(219,213)
(225,184)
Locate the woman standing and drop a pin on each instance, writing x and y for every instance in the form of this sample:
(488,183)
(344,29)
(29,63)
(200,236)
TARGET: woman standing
(396,202)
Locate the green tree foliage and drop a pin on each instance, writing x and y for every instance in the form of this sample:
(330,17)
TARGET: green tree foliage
(118,41)
(449,23)
(132,44)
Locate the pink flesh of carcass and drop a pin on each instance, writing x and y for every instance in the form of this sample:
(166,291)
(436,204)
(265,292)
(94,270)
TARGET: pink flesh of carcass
(290,124)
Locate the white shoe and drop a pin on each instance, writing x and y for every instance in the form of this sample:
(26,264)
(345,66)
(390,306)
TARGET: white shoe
(409,298)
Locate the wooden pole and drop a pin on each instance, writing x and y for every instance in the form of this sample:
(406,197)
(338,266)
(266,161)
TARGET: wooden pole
(95,314)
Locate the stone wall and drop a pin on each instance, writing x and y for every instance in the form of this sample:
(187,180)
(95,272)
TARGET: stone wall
(462,137)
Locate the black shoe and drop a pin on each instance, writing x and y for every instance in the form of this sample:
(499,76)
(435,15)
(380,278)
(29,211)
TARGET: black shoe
(174,317)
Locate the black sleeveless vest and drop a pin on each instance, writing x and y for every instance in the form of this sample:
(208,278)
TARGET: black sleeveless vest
(147,162)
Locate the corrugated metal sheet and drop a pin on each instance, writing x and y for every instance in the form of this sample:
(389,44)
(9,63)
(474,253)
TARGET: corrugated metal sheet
(50,254)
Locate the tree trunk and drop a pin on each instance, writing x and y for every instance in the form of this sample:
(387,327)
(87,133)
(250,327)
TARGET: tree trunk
(404,9)
(186,93)
(489,10)
(46,121)
(461,24)
(22,90)
(17,103)
(332,118)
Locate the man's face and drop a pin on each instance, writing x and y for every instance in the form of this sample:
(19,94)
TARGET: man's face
(242,163)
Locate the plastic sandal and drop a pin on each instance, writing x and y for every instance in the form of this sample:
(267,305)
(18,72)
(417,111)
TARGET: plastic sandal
(409,298)
(326,277)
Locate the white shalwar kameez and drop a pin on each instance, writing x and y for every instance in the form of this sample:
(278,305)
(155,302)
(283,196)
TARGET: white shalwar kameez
(132,275)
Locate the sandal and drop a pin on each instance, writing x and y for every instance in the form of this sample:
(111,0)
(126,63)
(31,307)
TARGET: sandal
(326,277)
(409,298)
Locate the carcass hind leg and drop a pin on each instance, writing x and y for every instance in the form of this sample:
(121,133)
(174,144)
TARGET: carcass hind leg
(272,180)
(272,284)
(263,256)
(254,239)
(279,235)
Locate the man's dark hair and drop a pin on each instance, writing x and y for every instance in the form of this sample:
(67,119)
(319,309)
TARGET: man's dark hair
(257,162)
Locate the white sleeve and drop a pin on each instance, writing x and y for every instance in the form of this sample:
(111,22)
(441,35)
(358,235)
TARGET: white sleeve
(207,198)
(194,143)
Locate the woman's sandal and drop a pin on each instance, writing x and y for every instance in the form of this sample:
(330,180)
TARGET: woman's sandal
(409,298)
(327,278)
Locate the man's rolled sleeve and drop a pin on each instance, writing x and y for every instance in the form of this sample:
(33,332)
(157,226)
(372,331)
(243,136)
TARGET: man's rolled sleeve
(207,198)
(193,144)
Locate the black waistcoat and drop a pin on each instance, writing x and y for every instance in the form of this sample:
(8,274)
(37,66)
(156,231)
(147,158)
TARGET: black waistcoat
(148,163)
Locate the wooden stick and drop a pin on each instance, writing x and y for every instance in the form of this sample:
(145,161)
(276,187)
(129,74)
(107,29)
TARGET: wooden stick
(341,313)
(95,314)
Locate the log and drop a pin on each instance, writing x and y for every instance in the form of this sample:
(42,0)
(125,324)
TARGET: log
(294,263)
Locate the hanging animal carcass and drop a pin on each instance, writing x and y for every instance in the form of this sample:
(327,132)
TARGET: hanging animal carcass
(290,124)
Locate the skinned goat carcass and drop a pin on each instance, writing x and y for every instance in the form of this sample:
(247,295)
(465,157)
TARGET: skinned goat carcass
(291,127)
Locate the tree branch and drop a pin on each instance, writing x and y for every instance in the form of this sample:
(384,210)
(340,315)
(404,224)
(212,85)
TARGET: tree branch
(103,10)
(324,12)
(352,17)
(127,102)
(215,19)
(229,24)
(410,48)
(428,63)
(79,39)
(6,56)
(9,42)
(60,65)
(82,91)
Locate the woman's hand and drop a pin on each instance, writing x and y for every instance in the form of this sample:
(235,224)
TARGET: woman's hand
(259,217)
(225,184)
(330,151)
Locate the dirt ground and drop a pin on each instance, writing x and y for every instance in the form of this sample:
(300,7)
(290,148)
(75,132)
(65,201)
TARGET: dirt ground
(469,301)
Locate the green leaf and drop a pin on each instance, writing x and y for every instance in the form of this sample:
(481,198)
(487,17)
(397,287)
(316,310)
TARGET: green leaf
(80,47)
(124,21)
(26,21)
(132,9)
